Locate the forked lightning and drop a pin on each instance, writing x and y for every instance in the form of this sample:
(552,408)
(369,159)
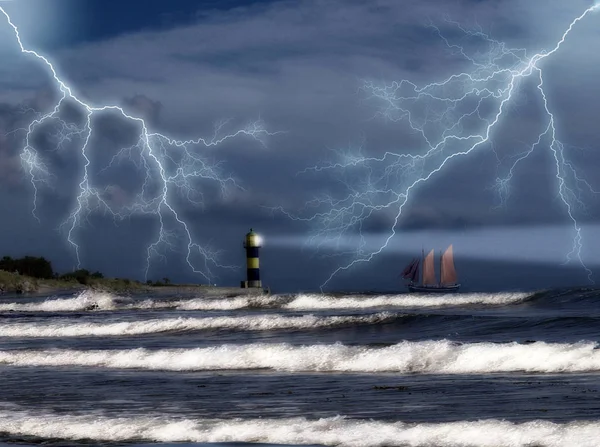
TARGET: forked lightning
(153,154)
(452,118)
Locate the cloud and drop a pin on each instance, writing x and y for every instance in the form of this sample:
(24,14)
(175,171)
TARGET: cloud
(9,167)
(143,107)
(299,65)
(11,174)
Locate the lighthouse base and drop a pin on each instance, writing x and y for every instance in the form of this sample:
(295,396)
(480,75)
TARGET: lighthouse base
(251,284)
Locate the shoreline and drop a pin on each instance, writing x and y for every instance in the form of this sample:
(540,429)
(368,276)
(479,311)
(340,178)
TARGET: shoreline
(20,285)
(204,291)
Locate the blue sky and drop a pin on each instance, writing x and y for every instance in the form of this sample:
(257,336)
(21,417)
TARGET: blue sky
(303,69)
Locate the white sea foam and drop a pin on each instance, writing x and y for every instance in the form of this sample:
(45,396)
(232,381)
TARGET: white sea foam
(240,302)
(249,323)
(328,431)
(442,357)
(325,302)
(86,300)
(407,300)
(91,300)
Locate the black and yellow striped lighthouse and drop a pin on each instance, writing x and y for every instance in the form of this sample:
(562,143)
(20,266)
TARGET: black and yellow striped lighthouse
(252,243)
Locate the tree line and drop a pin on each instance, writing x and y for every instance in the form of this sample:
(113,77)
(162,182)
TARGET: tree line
(41,268)
(29,265)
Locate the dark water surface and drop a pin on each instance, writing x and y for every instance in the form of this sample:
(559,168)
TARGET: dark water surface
(464,370)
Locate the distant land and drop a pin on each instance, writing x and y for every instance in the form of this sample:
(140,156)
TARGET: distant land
(35,275)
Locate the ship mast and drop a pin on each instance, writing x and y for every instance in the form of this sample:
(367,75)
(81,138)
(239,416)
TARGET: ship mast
(422,263)
(441,269)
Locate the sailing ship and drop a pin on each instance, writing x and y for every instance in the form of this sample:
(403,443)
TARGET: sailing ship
(429,283)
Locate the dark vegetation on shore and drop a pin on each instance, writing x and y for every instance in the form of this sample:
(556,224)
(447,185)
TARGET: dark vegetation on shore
(31,273)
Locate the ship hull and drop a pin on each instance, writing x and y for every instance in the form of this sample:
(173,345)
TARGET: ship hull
(433,289)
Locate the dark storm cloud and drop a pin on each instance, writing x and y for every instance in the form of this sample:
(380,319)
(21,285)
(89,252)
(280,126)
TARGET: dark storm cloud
(14,120)
(299,66)
(143,107)
(10,174)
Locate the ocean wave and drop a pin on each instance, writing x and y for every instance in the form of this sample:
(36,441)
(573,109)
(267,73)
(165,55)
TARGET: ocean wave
(441,357)
(235,303)
(408,300)
(326,302)
(92,300)
(326,431)
(248,323)
(86,300)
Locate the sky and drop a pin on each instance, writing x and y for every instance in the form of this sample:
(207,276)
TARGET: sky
(330,129)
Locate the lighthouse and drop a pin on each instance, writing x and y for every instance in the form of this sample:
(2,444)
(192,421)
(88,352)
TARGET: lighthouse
(252,243)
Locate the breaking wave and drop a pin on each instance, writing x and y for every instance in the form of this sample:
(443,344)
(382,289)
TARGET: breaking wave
(407,300)
(326,302)
(327,431)
(442,357)
(86,300)
(248,323)
(92,300)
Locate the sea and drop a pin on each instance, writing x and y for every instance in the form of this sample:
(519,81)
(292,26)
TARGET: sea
(182,369)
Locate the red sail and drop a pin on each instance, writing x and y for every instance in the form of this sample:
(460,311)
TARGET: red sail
(448,271)
(428,270)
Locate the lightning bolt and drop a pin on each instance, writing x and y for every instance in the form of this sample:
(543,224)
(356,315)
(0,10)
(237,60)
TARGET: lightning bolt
(169,165)
(442,115)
